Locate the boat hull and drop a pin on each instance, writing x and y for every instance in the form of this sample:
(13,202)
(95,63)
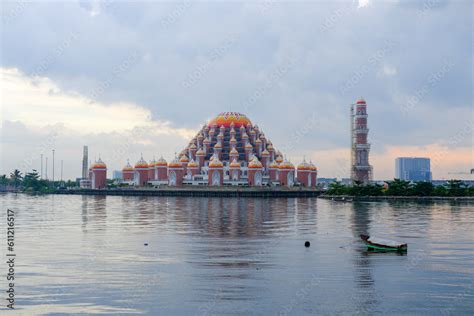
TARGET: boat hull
(381,247)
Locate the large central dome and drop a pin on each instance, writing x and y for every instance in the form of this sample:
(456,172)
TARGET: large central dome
(227,118)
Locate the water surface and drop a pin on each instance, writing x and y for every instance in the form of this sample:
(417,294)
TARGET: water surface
(214,256)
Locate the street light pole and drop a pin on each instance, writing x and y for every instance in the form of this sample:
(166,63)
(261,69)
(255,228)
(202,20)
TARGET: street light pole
(61,171)
(53,167)
(41,173)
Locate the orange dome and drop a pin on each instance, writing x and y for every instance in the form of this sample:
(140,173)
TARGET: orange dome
(273,165)
(312,166)
(141,164)
(248,146)
(99,164)
(255,164)
(233,140)
(233,151)
(265,153)
(279,159)
(175,164)
(227,118)
(304,166)
(218,146)
(216,163)
(152,163)
(234,164)
(245,136)
(286,165)
(258,141)
(184,158)
(161,162)
(200,152)
(193,164)
(253,132)
(127,167)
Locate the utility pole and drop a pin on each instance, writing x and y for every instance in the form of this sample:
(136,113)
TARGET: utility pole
(61,171)
(53,167)
(46,168)
(41,172)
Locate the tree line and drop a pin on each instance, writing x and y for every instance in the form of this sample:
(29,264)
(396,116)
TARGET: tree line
(399,187)
(31,182)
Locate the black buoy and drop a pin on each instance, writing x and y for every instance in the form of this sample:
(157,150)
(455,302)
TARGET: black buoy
(307,244)
(146,244)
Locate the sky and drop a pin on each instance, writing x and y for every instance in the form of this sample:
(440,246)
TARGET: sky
(132,78)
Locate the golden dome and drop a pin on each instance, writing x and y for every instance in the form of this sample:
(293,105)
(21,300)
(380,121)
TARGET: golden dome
(265,153)
(234,164)
(161,162)
(253,132)
(255,163)
(233,140)
(193,164)
(227,118)
(304,166)
(258,141)
(127,167)
(200,152)
(312,166)
(216,163)
(184,158)
(141,164)
(279,159)
(286,165)
(233,151)
(273,165)
(248,146)
(99,164)
(218,146)
(245,136)
(175,163)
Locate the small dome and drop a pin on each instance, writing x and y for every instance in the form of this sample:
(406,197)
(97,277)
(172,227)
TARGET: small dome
(279,159)
(273,165)
(193,164)
(193,146)
(248,146)
(233,140)
(361,101)
(222,127)
(245,136)
(141,163)
(255,163)
(200,152)
(233,151)
(184,158)
(286,165)
(312,166)
(234,164)
(258,141)
(218,146)
(152,163)
(161,162)
(200,136)
(127,167)
(304,166)
(227,118)
(216,163)
(207,141)
(265,153)
(270,147)
(99,164)
(253,132)
(175,163)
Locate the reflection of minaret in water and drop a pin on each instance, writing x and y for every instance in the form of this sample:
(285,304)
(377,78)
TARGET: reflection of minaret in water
(365,298)
(85,159)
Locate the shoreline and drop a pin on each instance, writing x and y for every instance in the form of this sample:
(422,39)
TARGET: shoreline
(201,192)
(397,198)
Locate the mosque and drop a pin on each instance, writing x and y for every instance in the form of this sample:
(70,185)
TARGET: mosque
(229,150)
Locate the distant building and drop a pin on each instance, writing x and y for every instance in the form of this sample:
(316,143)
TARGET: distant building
(117,174)
(413,169)
(85,165)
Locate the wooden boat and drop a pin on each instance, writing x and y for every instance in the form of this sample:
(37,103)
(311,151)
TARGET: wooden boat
(379,244)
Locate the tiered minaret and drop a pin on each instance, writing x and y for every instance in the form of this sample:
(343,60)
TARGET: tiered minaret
(360,168)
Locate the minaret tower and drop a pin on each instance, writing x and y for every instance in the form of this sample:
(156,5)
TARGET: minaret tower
(360,168)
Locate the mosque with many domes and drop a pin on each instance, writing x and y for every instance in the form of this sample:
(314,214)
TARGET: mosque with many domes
(228,150)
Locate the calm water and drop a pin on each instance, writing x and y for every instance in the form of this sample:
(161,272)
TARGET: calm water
(214,256)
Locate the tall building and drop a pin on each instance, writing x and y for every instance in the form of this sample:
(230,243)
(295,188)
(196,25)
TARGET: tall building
(412,169)
(85,159)
(361,170)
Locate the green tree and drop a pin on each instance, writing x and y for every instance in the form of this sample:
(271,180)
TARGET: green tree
(423,189)
(337,188)
(399,187)
(3,179)
(456,188)
(33,182)
(16,177)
